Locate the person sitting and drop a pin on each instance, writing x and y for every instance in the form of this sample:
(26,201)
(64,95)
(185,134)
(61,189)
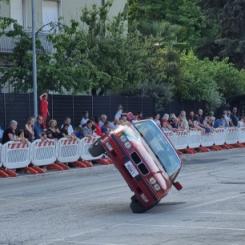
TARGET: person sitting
(191,119)
(78,131)
(165,123)
(220,122)
(88,129)
(98,130)
(103,119)
(21,136)
(10,134)
(157,120)
(70,129)
(106,128)
(65,130)
(29,129)
(1,133)
(241,123)
(234,117)
(207,125)
(84,119)
(173,121)
(53,132)
(183,123)
(38,127)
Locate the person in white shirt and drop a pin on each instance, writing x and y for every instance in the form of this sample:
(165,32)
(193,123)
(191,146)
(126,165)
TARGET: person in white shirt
(227,116)
(85,119)
(103,119)
(157,120)
(119,113)
(241,123)
(70,128)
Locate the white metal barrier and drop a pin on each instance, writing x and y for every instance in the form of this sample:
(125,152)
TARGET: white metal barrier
(219,136)
(43,152)
(85,144)
(16,154)
(231,136)
(207,139)
(171,136)
(68,150)
(181,140)
(194,139)
(241,137)
(1,155)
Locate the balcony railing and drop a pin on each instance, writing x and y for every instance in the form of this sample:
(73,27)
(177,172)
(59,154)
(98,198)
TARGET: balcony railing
(7,44)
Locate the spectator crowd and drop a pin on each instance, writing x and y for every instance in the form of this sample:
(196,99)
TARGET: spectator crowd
(199,121)
(44,128)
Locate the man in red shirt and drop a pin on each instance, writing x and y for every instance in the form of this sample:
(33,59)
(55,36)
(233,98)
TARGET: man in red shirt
(44,108)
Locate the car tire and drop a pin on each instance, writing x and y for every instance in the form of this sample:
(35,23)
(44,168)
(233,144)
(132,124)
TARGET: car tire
(136,206)
(96,149)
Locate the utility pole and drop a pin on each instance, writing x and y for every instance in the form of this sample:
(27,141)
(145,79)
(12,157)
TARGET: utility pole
(34,61)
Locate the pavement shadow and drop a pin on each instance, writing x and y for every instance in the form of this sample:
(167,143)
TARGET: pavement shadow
(166,207)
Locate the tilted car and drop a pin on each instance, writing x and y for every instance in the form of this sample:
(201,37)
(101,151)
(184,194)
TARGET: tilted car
(145,158)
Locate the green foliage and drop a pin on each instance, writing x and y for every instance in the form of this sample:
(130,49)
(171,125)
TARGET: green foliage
(229,41)
(157,57)
(183,18)
(209,81)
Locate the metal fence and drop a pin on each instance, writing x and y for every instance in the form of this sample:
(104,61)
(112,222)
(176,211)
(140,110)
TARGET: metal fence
(20,106)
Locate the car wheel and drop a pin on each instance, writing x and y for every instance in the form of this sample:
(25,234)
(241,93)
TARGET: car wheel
(96,149)
(136,206)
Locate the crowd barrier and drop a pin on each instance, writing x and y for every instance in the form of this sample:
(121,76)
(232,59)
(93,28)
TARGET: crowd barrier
(68,150)
(192,139)
(43,152)
(85,144)
(16,154)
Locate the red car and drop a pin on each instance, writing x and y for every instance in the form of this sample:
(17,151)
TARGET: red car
(145,158)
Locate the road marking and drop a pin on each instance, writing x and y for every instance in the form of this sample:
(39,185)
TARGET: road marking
(213,202)
(79,194)
(223,213)
(92,243)
(67,239)
(185,227)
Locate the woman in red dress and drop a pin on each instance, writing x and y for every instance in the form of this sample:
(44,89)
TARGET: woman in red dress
(44,108)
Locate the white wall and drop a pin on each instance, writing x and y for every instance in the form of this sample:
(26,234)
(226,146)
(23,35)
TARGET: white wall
(16,10)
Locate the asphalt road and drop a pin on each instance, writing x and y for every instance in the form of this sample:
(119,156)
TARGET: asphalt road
(91,206)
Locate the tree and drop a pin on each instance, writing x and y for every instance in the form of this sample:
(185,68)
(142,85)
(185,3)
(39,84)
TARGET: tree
(229,41)
(19,75)
(182,18)
(209,81)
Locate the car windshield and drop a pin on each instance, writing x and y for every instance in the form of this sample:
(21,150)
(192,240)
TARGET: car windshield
(160,146)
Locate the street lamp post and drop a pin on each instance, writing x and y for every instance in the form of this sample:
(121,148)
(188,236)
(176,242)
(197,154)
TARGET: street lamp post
(34,61)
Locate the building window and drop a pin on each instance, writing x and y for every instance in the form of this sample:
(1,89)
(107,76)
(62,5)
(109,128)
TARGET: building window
(50,12)
(16,10)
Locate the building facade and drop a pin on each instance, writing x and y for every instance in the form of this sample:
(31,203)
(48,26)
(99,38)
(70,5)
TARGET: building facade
(47,11)
(51,10)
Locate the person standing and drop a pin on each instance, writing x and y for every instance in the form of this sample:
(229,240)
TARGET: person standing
(119,113)
(44,112)
(234,117)
(85,119)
